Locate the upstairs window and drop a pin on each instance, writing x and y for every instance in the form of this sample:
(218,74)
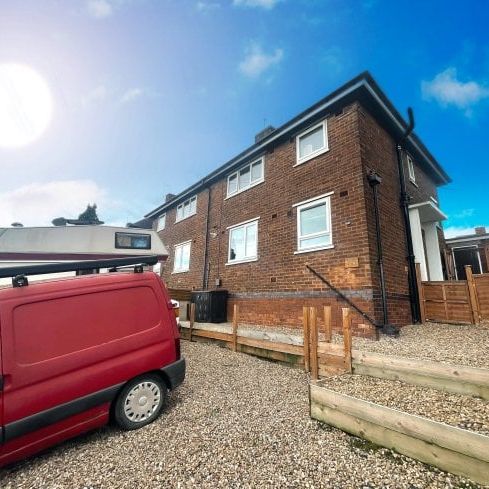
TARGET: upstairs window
(410,166)
(245,178)
(312,142)
(160,225)
(182,257)
(314,225)
(187,209)
(243,242)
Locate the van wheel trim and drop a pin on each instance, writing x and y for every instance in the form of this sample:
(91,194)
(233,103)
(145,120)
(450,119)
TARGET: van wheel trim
(142,401)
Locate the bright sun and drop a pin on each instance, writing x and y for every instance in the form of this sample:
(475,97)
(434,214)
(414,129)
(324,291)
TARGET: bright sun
(26,105)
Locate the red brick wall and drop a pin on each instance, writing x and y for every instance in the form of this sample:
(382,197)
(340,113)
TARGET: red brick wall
(273,289)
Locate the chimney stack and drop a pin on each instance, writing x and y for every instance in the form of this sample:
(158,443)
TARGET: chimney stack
(169,197)
(264,133)
(480,230)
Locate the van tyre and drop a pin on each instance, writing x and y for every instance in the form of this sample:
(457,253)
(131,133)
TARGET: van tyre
(140,402)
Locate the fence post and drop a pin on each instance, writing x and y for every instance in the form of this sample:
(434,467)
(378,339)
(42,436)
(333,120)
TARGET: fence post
(192,319)
(313,332)
(474,304)
(347,338)
(327,323)
(305,323)
(422,305)
(235,327)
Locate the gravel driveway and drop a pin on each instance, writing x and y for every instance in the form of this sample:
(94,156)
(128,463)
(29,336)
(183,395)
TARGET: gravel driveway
(238,421)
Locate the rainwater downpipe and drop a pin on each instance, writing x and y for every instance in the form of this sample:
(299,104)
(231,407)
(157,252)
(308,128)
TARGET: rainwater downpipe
(413,285)
(374,181)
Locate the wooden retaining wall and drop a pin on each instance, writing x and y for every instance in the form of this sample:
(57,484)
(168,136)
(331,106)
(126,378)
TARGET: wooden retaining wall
(452,449)
(450,378)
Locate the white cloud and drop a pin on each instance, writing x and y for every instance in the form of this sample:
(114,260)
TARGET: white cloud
(455,231)
(97,95)
(266,4)
(206,6)
(131,94)
(100,9)
(37,204)
(256,61)
(464,213)
(447,89)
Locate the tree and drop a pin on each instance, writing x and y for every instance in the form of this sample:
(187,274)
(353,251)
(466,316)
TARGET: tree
(87,217)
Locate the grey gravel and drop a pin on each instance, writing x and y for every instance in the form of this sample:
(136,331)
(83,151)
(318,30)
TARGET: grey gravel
(462,411)
(238,421)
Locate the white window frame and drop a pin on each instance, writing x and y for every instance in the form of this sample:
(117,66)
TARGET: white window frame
(182,245)
(244,224)
(158,222)
(410,165)
(303,159)
(252,184)
(325,198)
(182,206)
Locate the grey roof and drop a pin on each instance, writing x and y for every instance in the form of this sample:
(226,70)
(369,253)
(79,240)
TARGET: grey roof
(362,88)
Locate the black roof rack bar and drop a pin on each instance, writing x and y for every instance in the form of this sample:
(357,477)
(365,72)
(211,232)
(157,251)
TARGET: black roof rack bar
(74,266)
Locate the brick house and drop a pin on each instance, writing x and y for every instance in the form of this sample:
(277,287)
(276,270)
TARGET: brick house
(300,195)
(469,249)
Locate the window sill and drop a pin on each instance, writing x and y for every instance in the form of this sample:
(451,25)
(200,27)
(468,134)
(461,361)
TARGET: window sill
(255,184)
(310,250)
(183,218)
(179,271)
(311,156)
(238,262)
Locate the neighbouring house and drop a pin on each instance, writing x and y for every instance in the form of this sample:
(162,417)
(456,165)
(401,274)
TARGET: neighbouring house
(301,195)
(470,249)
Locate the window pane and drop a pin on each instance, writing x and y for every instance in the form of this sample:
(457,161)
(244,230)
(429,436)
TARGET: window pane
(256,171)
(244,178)
(232,184)
(179,212)
(186,257)
(313,220)
(193,204)
(161,223)
(178,258)
(315,242)
(251,240)
(311,142)
(237,244)
(186,209)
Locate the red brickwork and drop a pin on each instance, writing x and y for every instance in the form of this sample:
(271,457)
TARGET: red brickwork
(273,289)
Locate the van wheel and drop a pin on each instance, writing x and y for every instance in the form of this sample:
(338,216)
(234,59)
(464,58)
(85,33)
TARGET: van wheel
(140,402)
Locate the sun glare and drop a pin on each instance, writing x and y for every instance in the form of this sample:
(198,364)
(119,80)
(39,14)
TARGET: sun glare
(26,105)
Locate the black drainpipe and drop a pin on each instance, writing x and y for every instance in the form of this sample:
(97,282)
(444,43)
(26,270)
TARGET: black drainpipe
(374,181)
(413,284)
(205,278)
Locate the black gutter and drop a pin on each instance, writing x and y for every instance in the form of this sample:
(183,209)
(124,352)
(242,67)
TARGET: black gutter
(360,86)
(413,284)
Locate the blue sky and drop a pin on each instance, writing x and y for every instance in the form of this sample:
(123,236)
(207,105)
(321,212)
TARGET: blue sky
(151,95)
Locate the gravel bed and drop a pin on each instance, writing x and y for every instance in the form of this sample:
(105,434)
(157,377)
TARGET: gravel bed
(462,411)
(236,422)
(458,344)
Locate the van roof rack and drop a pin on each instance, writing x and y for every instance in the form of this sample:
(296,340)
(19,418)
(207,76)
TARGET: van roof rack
(23,270)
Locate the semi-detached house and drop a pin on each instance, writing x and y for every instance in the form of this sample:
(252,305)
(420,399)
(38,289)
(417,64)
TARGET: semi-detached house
(301,195)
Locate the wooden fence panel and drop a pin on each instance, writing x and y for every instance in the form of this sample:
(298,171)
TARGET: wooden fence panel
(482,292)
(447,301)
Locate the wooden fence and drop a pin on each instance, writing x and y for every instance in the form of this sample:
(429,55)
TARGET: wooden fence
(455,301)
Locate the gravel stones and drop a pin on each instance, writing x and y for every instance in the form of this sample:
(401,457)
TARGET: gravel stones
(236,422)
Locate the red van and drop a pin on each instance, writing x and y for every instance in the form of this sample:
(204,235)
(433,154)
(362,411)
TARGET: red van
(78,352)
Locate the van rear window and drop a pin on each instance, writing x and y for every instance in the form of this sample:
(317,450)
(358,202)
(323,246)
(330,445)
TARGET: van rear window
(53,328)
(132,241)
